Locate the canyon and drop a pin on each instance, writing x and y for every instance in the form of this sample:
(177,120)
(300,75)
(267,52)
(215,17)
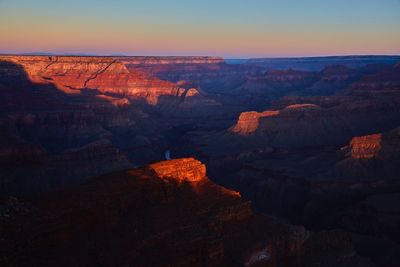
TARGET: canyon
(271,162)
(126,218)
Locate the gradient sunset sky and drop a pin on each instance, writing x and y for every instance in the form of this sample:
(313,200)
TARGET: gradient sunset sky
(229,28)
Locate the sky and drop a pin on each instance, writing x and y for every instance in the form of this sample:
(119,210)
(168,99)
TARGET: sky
(228,28)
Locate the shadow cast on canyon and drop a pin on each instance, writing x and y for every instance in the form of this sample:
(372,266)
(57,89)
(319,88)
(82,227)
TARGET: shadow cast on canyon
(50,139)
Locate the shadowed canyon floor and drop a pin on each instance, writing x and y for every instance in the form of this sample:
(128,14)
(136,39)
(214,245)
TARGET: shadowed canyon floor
(311,142)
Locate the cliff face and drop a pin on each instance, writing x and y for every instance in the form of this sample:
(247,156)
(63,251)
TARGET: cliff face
(248,122)
(79,113)
(378,146)
(180,169)
(106,75)
(365,147)
(372,156)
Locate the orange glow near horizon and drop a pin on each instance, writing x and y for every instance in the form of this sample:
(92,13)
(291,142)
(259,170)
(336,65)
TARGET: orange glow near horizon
(270,36)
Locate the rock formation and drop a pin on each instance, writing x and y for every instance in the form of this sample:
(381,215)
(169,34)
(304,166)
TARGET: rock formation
(371,156)
(248,122)
(272,135)
(312,125)
(140,218)
(106,75)
(365,147)
(180,169)
(77,113)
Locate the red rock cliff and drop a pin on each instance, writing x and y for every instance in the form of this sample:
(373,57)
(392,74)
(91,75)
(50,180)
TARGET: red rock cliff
(107,75)
(180,169)
(365,147)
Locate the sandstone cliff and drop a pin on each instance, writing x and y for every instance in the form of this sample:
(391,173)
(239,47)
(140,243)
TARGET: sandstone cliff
(371,156)
(365,147)
(106,75)
(180,169)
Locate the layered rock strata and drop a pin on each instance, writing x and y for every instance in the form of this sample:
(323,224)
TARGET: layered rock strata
(106,75)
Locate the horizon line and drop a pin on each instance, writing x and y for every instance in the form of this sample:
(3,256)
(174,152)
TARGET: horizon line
(194,55)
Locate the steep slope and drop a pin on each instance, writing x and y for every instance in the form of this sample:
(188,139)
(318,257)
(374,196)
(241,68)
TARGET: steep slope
(165,214)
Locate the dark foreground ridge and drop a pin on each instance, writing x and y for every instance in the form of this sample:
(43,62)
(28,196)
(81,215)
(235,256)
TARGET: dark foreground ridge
(165,214)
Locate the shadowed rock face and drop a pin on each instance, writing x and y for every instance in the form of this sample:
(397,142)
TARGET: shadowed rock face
(301,125)
(150,217)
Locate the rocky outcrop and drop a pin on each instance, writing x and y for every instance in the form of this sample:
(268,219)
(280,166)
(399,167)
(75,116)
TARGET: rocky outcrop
(181,169)
(380,146)
(365,147)
(370,156)
(248,122)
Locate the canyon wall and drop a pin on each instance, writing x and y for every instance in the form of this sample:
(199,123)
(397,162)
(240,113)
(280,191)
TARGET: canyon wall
(107,75)
(78,113)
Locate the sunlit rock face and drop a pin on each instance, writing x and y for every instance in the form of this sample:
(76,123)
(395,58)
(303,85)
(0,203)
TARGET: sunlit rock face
(252,121)
(365,147)
(302,106)
(371,157)
(248,122)
(380,146)
(107,75)
(180,169)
